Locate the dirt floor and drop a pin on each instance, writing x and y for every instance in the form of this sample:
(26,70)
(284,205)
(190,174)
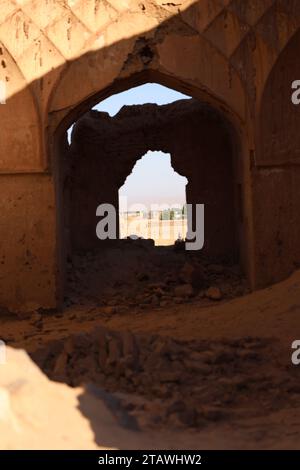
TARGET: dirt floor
(174,348)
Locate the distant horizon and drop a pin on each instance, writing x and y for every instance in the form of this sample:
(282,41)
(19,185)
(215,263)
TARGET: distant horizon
(149,210)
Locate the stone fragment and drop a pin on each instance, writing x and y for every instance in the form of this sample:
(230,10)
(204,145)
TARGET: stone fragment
(186,273)
(109,309)
(213,293)
(183,290)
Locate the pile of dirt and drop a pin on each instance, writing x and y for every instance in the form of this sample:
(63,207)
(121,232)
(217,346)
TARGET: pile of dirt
(169,383)
(136,275)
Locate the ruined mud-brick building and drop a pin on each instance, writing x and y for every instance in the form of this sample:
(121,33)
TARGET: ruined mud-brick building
(58,58)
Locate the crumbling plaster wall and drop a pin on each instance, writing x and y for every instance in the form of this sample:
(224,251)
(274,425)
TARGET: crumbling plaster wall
(59,57)
(105,149)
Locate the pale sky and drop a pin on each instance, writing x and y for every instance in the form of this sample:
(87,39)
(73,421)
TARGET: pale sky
(148,93)
(153,180)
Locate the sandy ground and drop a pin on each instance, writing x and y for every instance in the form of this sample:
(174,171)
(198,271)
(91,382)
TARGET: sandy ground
(266,415)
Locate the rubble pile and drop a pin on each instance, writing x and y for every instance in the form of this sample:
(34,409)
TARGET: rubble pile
(135,274)
(172,383)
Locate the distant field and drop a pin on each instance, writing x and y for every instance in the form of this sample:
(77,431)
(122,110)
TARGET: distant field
(163,232)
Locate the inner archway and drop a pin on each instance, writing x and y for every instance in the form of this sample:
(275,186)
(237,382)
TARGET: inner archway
(106,145)
(124,280)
